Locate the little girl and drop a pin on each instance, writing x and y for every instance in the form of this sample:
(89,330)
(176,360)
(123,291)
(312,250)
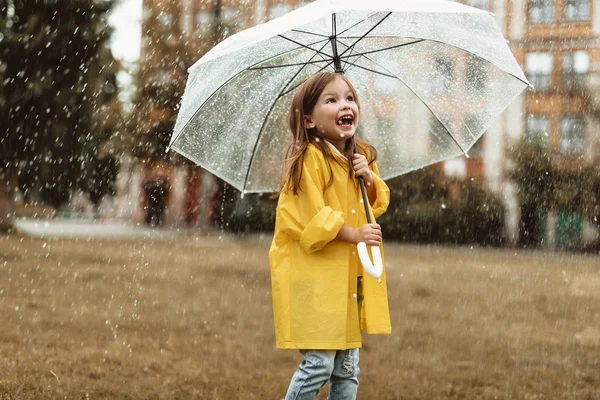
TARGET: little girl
(321,298)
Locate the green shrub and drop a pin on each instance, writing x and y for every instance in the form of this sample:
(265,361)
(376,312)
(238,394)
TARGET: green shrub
(418,212)
(477,217)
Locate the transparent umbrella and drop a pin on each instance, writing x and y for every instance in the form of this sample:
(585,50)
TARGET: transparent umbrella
(432,76)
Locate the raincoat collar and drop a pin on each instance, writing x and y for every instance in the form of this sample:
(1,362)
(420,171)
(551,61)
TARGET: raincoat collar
(335,150)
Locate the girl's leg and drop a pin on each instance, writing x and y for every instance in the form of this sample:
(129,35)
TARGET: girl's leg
(344,381)
(311,375)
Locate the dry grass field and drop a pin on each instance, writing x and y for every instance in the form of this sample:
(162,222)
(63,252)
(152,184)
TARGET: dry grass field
(192,319)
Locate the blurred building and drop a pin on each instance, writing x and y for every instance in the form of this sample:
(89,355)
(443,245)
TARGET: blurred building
(163,188)
(555,41)
(557,44)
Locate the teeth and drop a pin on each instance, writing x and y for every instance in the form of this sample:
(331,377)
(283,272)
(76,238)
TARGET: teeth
(347,118)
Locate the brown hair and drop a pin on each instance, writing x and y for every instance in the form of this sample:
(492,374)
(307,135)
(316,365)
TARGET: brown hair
(303,103)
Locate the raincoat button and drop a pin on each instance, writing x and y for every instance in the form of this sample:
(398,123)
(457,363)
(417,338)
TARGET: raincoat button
(353,253)
(361,200)
(354,295)
(353,211)
(379,280)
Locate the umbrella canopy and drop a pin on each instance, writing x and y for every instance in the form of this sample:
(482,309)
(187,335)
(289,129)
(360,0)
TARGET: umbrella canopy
(431,76)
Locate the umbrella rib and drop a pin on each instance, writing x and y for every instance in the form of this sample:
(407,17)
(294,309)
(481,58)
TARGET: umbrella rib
(310,33)
(292,89)
(483,58)
(320,54)
(383,49)
(288,51)
(289,65)
(281,94)
(305,46)
(374,51)
(271,110)
(347,58)
(436,41)
(466,51)
(390,36)
(422,101)
(358,23)
(305,64)
(202,105)
(369,31)
(235,76)
(371,70)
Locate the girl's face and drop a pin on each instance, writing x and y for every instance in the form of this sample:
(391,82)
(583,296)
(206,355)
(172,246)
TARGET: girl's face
(335,115)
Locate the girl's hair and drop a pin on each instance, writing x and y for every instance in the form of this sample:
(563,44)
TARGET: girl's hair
(303,103)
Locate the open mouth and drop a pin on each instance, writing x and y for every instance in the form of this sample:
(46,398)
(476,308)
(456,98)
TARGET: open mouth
(345,121)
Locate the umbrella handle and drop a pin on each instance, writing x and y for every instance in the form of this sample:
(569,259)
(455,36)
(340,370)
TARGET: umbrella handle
(374,270)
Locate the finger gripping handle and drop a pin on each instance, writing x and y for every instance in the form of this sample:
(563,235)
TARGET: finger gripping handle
(374,268)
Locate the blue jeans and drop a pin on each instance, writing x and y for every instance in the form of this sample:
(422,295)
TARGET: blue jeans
(339,367)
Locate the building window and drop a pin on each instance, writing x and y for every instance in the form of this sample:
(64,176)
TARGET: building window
(538,128)
(571,134)
(165,19)
(577,10)
(541,11)
(538,67)
(230,22)
(204,21)
(277,10)
(229,15)
(575,67)
(481,4)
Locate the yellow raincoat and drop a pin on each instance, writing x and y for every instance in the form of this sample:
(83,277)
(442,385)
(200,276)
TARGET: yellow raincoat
(314,276)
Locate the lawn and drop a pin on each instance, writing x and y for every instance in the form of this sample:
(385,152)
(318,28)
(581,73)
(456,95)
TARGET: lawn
(192,318)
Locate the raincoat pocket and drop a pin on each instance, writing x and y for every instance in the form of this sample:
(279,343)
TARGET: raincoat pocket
(328,295)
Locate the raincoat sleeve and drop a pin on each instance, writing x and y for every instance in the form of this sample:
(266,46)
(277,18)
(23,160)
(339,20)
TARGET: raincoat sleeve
(382,200)
(305,217)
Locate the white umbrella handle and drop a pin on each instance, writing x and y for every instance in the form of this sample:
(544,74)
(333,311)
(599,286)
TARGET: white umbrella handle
(373,270)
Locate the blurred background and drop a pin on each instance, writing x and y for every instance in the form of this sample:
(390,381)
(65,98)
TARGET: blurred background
(491,260)
(90,93)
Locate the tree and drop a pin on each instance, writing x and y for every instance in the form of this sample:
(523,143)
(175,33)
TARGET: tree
(428,207)
(103,178)
(534,177)
(161,81)
(169,52)
(547,179)
(58,102)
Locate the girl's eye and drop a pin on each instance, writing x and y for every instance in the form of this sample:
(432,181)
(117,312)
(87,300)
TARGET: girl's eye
(350,98)
(331,100)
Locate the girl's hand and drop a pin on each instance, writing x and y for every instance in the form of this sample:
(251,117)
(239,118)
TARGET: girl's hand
(361,168)
(368,233)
